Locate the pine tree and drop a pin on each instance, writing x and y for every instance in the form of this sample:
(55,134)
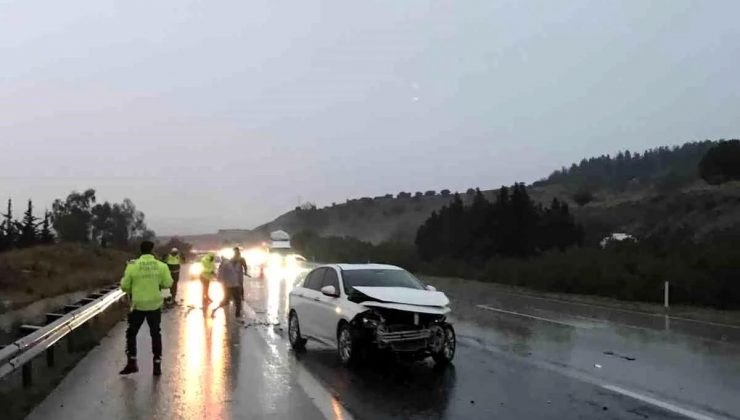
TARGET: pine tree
(8,227)
(45,235)
(28,235)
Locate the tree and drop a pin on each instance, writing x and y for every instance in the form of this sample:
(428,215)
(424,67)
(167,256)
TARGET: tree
(102,223)
(403,194)
(79,219)
(512,226)
(445,193)
(8,229)
(583,197)
(185,248)
(72,217)
(45,235)
(27,228)
(721,163)
(127,225)
(430,193)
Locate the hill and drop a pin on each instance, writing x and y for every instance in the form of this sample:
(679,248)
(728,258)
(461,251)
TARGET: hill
(637,192)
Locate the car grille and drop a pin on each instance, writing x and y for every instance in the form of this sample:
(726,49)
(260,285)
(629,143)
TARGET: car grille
(400,336)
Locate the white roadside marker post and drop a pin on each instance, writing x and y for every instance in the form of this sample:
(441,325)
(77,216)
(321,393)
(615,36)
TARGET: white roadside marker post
(666,288)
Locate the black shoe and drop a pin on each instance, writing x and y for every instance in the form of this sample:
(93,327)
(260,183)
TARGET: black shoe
(157,371)
(131,367)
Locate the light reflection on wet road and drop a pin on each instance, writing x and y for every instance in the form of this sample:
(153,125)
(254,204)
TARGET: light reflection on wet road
(513,367)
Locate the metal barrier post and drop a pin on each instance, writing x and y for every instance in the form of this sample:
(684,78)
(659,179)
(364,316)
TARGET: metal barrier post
(50,362)
(26,371)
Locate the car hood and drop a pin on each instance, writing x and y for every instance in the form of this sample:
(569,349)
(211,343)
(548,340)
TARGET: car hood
(405,296)
(435,310)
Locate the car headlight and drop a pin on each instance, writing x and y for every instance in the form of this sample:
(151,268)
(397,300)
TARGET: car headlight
(370,323)
(196,269)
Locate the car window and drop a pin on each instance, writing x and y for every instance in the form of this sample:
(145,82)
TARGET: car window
(379,278)
(331,279)
(314,279)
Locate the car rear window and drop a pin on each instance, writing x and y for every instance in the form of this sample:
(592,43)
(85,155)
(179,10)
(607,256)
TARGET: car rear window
(379,278)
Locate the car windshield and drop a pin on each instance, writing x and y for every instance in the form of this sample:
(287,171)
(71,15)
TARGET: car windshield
(379,278)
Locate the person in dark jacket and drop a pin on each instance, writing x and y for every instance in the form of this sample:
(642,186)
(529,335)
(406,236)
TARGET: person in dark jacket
(231,275)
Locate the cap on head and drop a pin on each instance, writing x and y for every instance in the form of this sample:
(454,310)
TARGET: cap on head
(175,250)
(146,247)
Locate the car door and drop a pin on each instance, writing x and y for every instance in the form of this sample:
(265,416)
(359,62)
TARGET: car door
(328,311)
(305,301)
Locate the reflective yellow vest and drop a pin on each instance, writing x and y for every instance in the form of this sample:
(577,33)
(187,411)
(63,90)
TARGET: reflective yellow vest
(173,259)
(143,280)
(209,266)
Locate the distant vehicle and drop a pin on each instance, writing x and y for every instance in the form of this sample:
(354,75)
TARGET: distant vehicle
(617,237)
(370,306)
(280,241)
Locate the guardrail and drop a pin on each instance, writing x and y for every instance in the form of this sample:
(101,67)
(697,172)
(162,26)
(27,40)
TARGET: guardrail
(18,354)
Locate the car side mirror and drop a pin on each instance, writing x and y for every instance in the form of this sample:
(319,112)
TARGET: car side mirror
(431,288)
(329,291)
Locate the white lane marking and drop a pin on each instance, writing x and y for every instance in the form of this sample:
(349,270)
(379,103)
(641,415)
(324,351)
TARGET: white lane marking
(597,321)
(489,308)
(662,404)
(629,311)
(327,404)
(322,399)
(576,374)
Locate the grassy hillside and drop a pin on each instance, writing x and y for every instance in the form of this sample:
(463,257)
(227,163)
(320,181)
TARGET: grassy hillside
(35,273)
(638,193)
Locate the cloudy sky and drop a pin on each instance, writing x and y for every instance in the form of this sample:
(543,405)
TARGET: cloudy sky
(216,114)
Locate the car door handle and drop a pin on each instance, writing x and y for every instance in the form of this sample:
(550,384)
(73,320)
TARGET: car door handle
(317,299)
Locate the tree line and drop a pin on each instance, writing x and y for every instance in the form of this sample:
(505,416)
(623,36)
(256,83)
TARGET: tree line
(77,218)
(26,232)
(662,164)
(513,225)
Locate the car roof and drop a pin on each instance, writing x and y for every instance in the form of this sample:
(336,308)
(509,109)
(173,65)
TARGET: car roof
(350,267)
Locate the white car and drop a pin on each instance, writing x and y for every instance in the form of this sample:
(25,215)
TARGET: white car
(371,305)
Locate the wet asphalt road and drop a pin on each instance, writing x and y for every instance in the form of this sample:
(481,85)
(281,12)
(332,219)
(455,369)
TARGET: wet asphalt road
(528,358)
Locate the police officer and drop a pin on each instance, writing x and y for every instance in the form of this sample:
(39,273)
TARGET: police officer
(142,282)
(209,273)
(174,261)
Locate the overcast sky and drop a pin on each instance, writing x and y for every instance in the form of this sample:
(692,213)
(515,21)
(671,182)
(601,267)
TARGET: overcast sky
(220,114)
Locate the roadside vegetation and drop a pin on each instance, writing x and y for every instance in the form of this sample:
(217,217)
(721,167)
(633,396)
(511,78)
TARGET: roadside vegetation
(80,244)
(516,241)
(39,272)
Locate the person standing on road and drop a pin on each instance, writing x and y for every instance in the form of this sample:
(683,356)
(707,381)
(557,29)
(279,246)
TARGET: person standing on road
(231,274)
(143,282)
(242,263)
(174,261)
(209,273)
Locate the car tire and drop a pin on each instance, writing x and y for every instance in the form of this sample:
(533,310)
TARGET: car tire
(444,356)
(294,333)
(347,345)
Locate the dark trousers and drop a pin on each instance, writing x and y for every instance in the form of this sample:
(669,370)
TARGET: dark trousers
(153,320)
(233,294)
(175,279)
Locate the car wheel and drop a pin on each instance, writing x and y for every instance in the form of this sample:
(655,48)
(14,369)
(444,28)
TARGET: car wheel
(444,355)
(294,333)
(347,346)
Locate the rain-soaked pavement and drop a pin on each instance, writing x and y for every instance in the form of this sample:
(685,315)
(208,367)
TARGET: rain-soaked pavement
(529,358)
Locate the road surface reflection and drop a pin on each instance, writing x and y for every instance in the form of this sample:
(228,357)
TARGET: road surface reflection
(204,342)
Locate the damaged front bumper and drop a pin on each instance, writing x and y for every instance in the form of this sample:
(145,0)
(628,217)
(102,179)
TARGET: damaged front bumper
(405,341)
